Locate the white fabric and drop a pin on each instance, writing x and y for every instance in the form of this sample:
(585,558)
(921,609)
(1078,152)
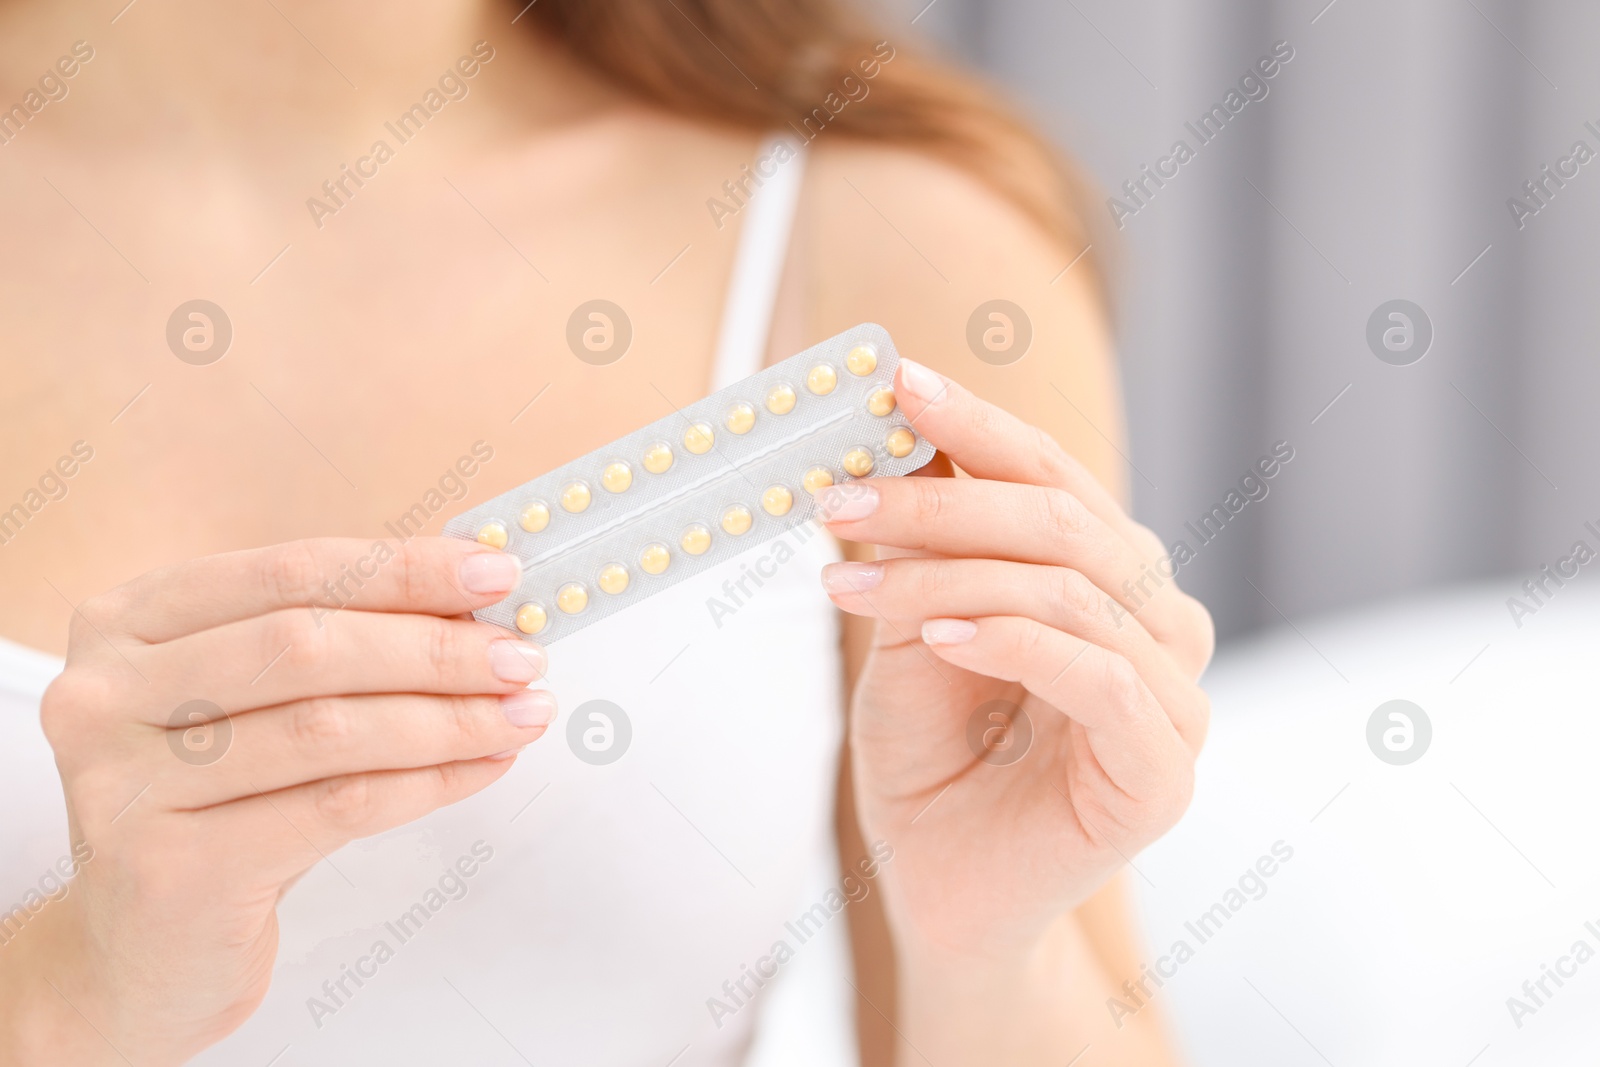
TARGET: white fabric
(33,820)
(618,899)
(1404,920)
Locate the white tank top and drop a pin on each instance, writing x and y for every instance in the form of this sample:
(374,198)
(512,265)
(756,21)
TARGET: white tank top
(615,911)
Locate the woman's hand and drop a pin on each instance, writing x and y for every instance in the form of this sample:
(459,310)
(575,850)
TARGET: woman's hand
(1026,587)
(340,724)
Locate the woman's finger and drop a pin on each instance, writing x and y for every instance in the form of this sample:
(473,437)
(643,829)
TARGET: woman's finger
(907,591)
(328,737)
(969,517)
(987,441)
(1129,734)
(294,655)
(425,575)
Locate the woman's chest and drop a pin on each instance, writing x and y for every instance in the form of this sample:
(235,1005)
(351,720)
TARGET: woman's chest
(242,376)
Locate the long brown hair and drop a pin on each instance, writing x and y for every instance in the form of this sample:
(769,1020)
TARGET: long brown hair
(765,64)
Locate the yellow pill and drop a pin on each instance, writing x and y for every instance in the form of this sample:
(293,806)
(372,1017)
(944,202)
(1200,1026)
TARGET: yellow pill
(881,402)
(697,439)
(821,379)
(575,497)
(658,458)
(572,598)
(695,540)
(535,517)
(493,534)
(531,618)
(740,418)
(777,500)
(736,519)
(858,462)
(817,478)
(900,442)
(862,360)
(654,559)
(780,399)
(617,477)
(613,578)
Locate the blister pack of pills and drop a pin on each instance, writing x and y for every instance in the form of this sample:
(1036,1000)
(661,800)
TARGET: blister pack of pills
(698,487)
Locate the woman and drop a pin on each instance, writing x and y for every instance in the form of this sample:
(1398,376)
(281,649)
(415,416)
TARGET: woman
(386,329)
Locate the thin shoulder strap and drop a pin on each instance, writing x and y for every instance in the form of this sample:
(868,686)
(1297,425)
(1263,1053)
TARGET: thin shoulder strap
(758,266)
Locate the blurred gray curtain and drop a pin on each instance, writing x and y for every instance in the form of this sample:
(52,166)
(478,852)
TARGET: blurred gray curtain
(1378,167)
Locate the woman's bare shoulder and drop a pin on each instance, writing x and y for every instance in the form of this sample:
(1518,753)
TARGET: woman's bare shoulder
(967,282)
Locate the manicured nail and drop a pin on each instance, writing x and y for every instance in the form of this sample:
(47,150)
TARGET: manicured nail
(921,382)
(516,661)
(847,503)
(852,577)
(510,753)
(530,707)
(948,631)
(490,572)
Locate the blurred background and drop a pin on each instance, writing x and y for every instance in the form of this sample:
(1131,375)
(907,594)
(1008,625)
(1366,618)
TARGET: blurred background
(1377,168)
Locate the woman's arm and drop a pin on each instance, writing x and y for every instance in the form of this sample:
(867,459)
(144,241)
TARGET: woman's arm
(1094,949)
(369,718)
(941,246)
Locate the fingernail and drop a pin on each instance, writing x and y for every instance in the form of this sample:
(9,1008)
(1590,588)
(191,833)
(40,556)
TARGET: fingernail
(530,707)
(852,577)
(948,631)
(921,382)
(490,572)
(516,661)
(510,753)
(847,503)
